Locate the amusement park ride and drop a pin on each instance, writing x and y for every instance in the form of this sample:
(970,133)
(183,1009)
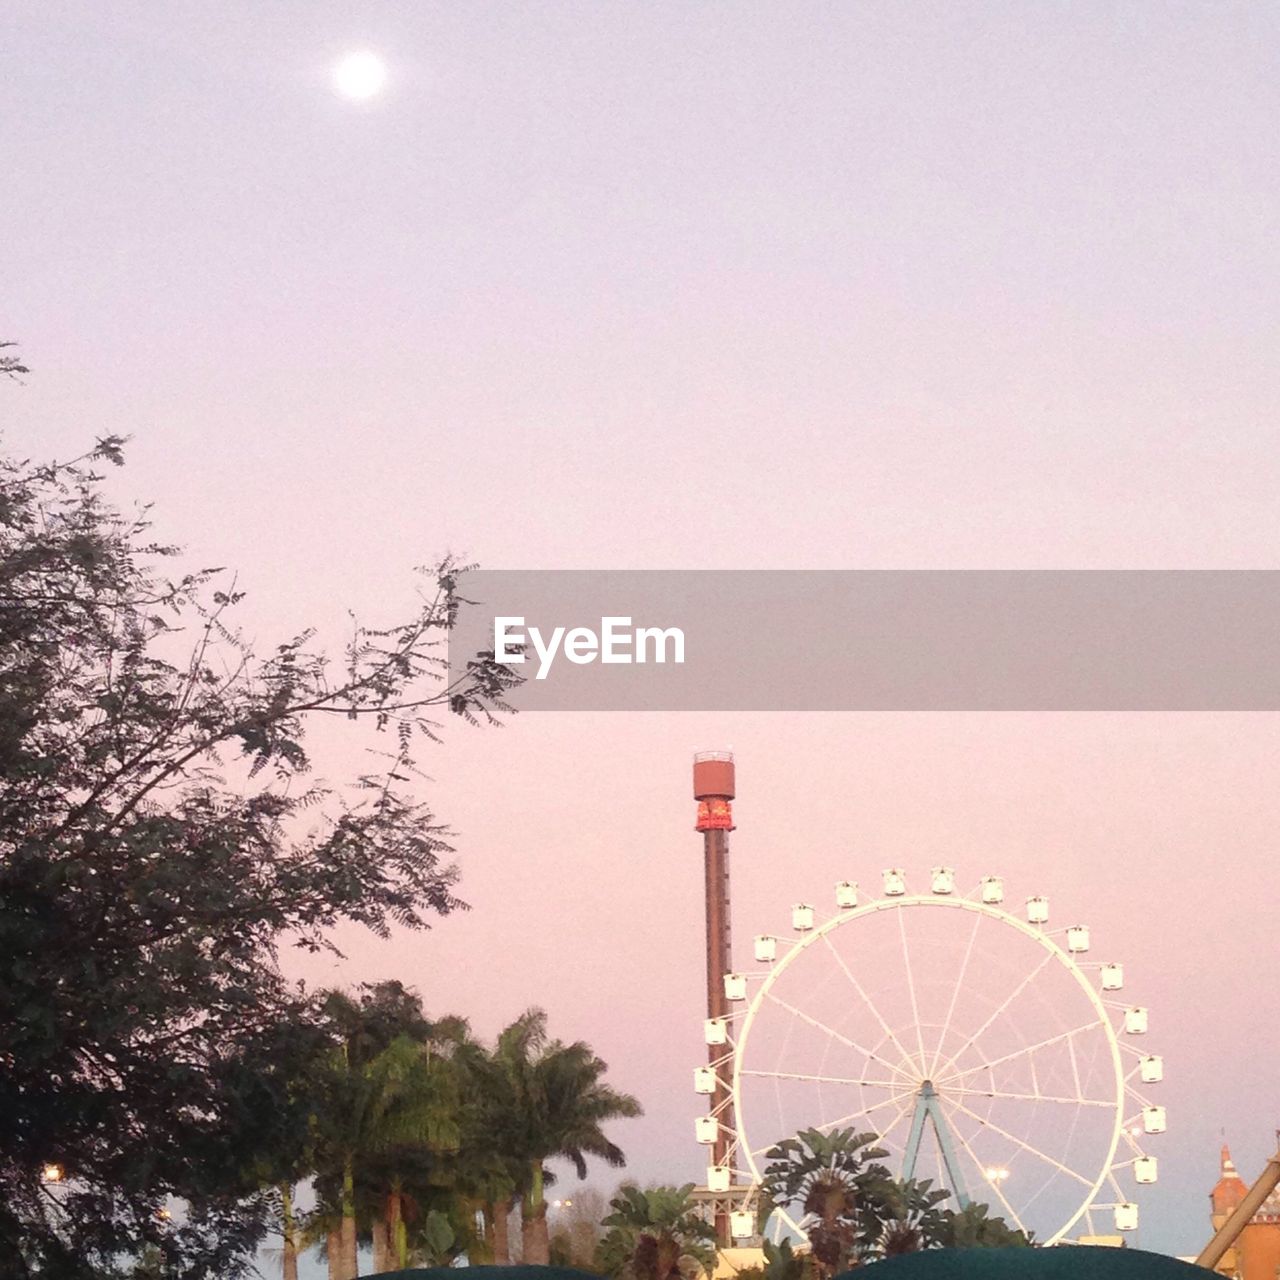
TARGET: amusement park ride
(980,1044)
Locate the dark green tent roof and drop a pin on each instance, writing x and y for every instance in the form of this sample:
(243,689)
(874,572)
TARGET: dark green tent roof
(1065,1263)
(487,1273)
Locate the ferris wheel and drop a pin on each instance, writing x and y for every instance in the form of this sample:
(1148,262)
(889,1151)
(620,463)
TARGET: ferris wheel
(981,1046)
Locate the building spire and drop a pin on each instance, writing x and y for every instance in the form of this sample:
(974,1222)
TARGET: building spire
(1230,1189)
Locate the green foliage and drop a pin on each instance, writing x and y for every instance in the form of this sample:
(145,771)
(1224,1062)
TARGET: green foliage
(400,1097)
(656,1234)
(973,1228)
(781,1262)
(544,1099)
(159,840)
(855,1212)
(436,1240)
(906,1218)
(836,1182)
(387,1118)
(416,1124)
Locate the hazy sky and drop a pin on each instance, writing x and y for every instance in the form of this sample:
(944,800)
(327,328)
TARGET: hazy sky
(705,285)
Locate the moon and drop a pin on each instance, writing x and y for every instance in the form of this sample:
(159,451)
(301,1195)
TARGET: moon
(360,76)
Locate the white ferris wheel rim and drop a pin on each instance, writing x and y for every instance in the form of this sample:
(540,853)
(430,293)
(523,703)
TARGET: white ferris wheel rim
(954,901)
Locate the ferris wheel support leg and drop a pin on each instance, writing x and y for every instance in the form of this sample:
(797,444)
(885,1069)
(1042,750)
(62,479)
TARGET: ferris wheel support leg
(912,1153)
(949,1158)
(928,1108)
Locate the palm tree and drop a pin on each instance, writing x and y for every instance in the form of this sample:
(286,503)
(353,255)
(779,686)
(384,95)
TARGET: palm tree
(836,1181)
(426,1122)
(403,1098)
(482,1171)
(485,1178)
(544,1099)
(322,1229)
(656,1234)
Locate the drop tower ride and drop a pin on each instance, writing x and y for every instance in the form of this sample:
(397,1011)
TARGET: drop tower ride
(713,789)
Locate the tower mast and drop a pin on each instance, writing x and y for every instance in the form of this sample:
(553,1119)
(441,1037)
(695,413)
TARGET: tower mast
(713,789)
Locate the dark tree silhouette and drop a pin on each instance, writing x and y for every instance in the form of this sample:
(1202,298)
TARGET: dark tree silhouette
(160,839)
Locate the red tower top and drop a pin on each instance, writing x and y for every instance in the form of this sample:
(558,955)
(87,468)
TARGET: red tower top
(713,789)
(1230,1190)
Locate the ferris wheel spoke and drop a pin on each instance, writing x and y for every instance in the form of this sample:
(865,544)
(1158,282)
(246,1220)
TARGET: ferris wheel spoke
(993,1183)
(897,1101)
(911,986)
(955,995)
(799,1075)
(1002,1008)
(875,1013)
(831,1031)
(1029,1097)
(866,1111)
(1023,1052)
(899,1117)
(1018,1142)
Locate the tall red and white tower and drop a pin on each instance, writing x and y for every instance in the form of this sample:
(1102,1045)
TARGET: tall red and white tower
(714,789)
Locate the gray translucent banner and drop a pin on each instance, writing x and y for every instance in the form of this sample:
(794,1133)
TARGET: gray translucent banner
(765,640)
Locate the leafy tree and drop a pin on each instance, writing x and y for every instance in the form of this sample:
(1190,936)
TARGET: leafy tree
(836,1182)
(656,1234)
(579,1230)
(907,1218)
(544,1099)
(973,1228)
(159,840)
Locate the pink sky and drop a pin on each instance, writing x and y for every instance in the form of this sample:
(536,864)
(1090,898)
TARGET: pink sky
(691,285)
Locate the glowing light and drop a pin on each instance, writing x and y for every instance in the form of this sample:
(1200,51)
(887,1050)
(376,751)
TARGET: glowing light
(360,76)
(52,1173)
